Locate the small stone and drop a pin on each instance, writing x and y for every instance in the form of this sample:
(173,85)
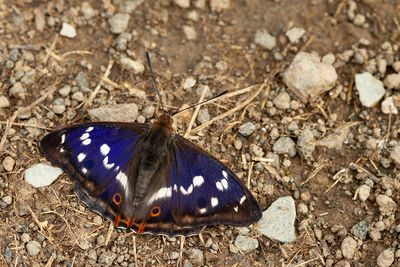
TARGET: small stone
(25,237)
(65,91)
(196,256)
(302,208)
(245,243)
(8,163)
(107,258)
(392,81)
(4,102)
(174,255)
(395,155)
(141,119)
(119,23)
(369,88)
(219,5)
(7,200)
(193,15)
(100,240)
(189,32)
(188,83)
(284,145)
(40,175)
(92,255)
(117,112)
(148,112)
(81,80)
(122,41)
(203,116)
(388,106)
(359,20)
(67,30)
(201,88)
(33,247)
(136,66)
(277,221)
(238,144)
(83,244)
(130,5)
(385,258)
(349,246)
(294,34)
(18,90)
(386,204)
(97,220)
(336,139)
(360,230)
(265,40)
(59,109)
(78,96)
(233,249)
(187,263)
(306,143)
(247,129)
(282,101)
(364,192)
(87,10)
(308,77)
(182,3)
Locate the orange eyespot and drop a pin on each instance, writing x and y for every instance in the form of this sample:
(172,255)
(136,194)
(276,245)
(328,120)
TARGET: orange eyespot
(155,211)
(117,199)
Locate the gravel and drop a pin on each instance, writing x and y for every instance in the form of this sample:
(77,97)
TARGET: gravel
(264,39)
(40,175)
(282,101)
(386,204)
(392,81)
(67,30)
(360,230)
(364,191)
(195,256)
(8,163)
(219,5)
(369,88)
(188,83)
(119,23)
(284,145)
(148,112)
(136,66)
(385,258)
(189,32)
(245,243)
(294,34)
(4,102)
(118,112)
(33,247)
(247,129)
(201,88)
(182,3)
(389,107)
(349,246)
(203,116)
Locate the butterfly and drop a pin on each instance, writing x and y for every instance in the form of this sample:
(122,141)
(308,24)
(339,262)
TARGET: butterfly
(148,178)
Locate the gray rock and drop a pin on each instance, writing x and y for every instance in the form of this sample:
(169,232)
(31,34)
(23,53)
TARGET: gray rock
(307,77)
(8,163)
(196,256)
(174,255)
(284,145)
(348,246)
(25,237)
(264,39)
(294,34)
(386,205)
(203,115)
(7,200)
(388,106)
(189,32)
(360,230)
(18,90)
(188,83)
(40,175)
(392,81)
(336,139)
(92,255)
(33,247)
(277,222)
(131,5)
(247,129)
(369,88)
(118,112)
(119,22)
(245,243)
(395,155)
(148,112)
(364,192)
(67,30)
(282,101)
(81,80)
(306,143)
(201,88)
(83,243)
(107,258)
(65,91)
(59,109)
(385,258)
(78,96)
(136,66)
(8,253)
(122,41)
(187,263)
(4,102)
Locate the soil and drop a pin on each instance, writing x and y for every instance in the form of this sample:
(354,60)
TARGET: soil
(223,56)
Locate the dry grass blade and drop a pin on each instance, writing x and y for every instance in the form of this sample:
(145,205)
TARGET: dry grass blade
(109,233)
(88,102)
(196,111)
(338,177)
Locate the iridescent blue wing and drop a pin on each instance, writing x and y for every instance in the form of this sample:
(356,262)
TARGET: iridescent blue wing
(98,157)
(195,190)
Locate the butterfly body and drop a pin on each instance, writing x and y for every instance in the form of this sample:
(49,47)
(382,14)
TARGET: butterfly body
(148,178)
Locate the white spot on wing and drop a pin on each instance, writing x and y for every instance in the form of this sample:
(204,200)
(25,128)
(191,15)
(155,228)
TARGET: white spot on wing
(89,129)
(106,164)
(61,149)
(198,180)
(224,183)
(62,139)
(219,186)
(84,170)
(203,210)
(175,188)
(84,136)
(81,157)
(225,174)
(236,208)
(165,192)
(214,201)
(242,199)
(104,149)
(122,179)
(188,191)
(86,142)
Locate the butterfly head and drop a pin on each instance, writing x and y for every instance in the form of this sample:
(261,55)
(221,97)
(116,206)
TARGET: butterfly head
(165,121)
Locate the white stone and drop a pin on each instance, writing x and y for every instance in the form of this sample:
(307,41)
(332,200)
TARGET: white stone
(182,3)
(219,5)
(33,247)
(369,89)
(8,163)
(136,66)
(294,34)
(385,258)
(392,81)
(40,175)
(67,30)
(4,102)
(189,82)
(264,39)
(190,32)
(119,23)
(277,221)
(388,106)
(387,205)
(245,243)
(348,246)
(364,192)
(307,77)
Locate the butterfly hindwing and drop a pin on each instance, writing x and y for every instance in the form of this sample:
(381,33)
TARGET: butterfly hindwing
(97,156)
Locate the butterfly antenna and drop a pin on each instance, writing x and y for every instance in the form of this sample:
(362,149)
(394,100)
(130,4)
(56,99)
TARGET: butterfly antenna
(201,103)
(153,78)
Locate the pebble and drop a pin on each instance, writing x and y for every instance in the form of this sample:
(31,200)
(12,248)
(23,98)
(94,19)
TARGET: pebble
(97,220)
(67,30)
(4,102)
(306,143)
(188,83)
(385,258)
(83,244)
(18,90)
(219,5)
(59,109)
(7,200)
(294,34)
(388,106)
(148,112)
(196,256)
(360,230)
(122,41)
(386,204)
(238,144)
(107,258)
(277,221)
(392,81)
(189,32)
(308,77)
(395,155)
(25,237)
(81,80)
(174,255)
(78,96)
(41,174)
(348,247)
(247,129)
(284,145)
(187,263)
(264,39)
(246,243)
(92,255)
(336,139)
(65,91)
(302,208)
(119,23)
(369,88)
(203,116)
(116,112)
(282,101)
(136,66)
(141,119)
(33,247)
(201,88)
(182,3)
(8,163)
(364,192)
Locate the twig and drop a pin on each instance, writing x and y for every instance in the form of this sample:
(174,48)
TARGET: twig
(78,52)
(340,174)
(250,173)
(179,261)
(305,262)
(50,50)
(314,173)
(135,250)
(196,111)
(109,233)
(51,259)
(88,102)
(27,125)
